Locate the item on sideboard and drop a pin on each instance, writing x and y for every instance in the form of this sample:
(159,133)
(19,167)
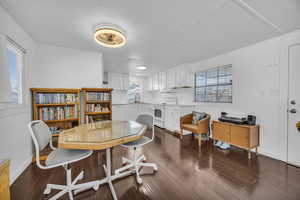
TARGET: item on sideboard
(234,120)
(223,114)
(251,120)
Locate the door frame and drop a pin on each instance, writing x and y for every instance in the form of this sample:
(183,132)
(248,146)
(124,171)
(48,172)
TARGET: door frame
(286,41)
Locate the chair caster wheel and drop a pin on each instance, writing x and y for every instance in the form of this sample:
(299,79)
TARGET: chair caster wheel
(47,191)
(96,187)
(139,180)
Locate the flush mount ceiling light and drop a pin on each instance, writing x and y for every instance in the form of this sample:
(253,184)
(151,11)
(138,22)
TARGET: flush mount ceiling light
(141,67)
(110,35)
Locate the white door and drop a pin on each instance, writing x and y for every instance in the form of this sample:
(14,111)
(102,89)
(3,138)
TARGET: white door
(294,105)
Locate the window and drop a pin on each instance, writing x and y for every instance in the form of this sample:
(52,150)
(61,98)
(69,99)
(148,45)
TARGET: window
(214,85)
(134,93)
(15,62)
(135,89)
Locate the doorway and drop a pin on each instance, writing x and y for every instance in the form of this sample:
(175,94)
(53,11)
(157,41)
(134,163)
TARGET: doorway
(293,137)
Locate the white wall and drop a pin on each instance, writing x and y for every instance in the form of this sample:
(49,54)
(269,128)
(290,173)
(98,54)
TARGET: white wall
(45,66)
(59,67)
(259,88)
(15,142)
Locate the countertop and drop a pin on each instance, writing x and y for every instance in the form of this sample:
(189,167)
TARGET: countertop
(161,104)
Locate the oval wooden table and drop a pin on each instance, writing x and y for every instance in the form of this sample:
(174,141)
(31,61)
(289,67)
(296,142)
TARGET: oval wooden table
(98,136)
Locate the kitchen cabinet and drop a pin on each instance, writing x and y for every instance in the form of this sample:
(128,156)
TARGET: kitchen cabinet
(157,81)
(171,79)
(118,81)
(179,77)
(150,83)
(146,108)
(125,112)
(162,80)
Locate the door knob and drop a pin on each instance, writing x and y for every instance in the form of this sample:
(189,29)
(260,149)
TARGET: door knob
(293,110)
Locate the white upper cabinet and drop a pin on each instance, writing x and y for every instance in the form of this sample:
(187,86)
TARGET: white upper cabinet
(150,83)
(171,79)
(162,80)
(157,81)
(118,81)
(184,78)
(179,77)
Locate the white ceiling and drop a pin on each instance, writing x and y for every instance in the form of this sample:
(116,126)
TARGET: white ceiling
(161,34)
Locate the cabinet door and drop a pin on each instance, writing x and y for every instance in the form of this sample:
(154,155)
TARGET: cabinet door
(168,118)
(117,112)
(221,131)
(125,82)
(150,84)
(156,81)
(171,79)
(162,80)
(176,118)
(240,136)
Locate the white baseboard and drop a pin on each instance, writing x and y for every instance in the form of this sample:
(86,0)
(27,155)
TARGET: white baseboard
(276,157)
(14,175)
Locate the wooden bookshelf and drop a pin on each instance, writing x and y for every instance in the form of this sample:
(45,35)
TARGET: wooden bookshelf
(97,104)
(52,101)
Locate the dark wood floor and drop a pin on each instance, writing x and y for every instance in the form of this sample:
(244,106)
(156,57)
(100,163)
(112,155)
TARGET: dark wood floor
(185,172)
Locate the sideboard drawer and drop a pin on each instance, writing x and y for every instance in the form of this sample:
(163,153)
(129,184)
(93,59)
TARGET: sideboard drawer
(240,136)
(221,131)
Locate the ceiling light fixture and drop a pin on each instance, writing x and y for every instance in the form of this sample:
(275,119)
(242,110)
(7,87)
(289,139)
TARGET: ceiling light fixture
(110,35)
(141,67)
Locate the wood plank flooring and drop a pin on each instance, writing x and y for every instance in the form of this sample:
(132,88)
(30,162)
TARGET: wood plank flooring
(185,172)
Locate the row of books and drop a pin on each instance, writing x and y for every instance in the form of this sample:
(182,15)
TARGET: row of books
(57,113)
(96,108)
(98,96)
(90,119)
(52,98)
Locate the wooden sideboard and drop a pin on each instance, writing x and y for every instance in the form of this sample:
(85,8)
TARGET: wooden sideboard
(4,180)
(243,136)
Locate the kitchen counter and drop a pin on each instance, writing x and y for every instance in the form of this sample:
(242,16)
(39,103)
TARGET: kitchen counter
(161,104)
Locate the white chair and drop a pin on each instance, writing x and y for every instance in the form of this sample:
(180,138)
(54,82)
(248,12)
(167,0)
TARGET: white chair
(137,163)
(41,137)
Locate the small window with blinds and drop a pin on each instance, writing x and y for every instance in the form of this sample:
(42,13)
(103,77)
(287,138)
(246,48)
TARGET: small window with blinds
(214,85)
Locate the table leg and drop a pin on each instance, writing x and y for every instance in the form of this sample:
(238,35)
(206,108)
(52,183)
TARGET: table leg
(107,169)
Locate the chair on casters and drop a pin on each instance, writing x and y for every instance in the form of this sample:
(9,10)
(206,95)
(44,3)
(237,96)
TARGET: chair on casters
(41,137)
(137,163)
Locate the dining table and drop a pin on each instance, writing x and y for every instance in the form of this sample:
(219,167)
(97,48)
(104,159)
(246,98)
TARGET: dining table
(99,136)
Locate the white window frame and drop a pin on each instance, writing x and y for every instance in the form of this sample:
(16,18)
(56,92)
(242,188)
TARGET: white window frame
(20,65)
(217,85)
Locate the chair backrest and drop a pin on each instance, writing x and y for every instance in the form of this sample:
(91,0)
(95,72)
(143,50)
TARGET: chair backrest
(41,137)
(40,134)
(147,119)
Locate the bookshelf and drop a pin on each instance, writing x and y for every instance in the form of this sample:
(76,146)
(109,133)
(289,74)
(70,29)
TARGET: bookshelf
(97,104)
(59,108)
